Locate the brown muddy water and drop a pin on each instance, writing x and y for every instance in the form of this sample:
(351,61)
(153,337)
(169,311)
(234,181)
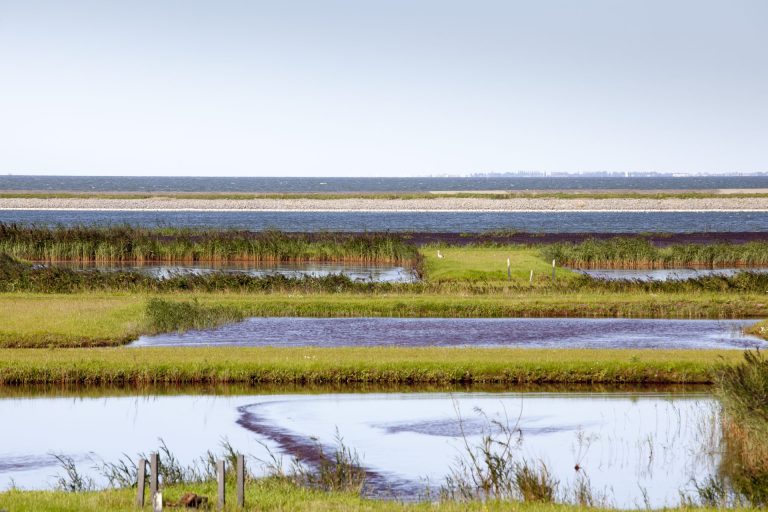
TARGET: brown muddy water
(163,270)
(469,332)
(632,443)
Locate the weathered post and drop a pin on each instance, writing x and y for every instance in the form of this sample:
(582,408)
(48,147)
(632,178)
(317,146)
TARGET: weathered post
(222,489)
(553,271)
(157,502)
(241,481)
(154,475)
(509,271)
(141,474)
(530,280)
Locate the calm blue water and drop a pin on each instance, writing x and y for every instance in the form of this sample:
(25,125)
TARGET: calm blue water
(214,184)
(461,222)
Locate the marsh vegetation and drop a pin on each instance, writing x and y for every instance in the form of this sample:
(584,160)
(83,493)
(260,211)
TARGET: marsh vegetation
(126,243)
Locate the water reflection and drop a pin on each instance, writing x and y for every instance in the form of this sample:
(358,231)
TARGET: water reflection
(626,441)
(161,270)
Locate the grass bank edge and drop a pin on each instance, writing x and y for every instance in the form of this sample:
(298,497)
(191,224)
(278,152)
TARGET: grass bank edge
(264,495)
(389,365)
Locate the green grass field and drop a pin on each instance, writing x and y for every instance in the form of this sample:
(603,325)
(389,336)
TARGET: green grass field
(345,365)
(262,495)
(489,264)
(82,320)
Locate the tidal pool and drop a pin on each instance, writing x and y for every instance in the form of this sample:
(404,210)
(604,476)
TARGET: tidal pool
(470,332)
(162,270)
(631,445)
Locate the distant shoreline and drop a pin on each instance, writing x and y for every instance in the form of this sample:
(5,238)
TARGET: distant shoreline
(353,204)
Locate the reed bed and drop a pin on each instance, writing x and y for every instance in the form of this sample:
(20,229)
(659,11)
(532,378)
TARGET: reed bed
(639,253)
(17,276)
(136,244)
(743,393)
(167,316)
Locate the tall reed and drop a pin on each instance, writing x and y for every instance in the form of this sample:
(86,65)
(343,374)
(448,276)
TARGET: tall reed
(17,276)
(136,244)
(168,316)
(640,253)
(743,393)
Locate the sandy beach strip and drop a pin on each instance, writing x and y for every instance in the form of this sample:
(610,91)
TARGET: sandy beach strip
(438,204)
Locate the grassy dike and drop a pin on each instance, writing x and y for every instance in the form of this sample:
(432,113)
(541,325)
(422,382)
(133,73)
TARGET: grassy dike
(351,365)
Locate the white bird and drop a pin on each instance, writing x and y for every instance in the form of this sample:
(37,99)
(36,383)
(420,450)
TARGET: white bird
(439,254)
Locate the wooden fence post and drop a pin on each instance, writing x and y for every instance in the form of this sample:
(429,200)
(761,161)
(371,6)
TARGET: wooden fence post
(241,481)
(220,470)
(141,475)
(154,476)
(157,502)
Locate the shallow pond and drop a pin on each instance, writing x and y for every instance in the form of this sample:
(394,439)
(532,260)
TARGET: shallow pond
(356,272)
(673,274)
(470,332)
(628,443)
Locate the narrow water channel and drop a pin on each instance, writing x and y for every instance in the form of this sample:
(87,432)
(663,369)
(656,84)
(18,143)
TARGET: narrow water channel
(630,444)
(163,270)
(470,332)
(670,274)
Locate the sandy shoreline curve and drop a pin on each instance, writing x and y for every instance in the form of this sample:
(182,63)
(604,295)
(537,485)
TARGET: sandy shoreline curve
(441,204)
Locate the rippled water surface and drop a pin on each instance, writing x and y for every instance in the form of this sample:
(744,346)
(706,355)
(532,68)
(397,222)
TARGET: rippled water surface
(470,332)
(328,184)
(627,443)
(457,222)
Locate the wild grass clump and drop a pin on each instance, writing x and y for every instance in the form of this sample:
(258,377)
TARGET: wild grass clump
(124,472)
(71,480)
(493,469)
(337,470)
(640,253)
(168,316)
(759,329)
(743,393)
(136,244)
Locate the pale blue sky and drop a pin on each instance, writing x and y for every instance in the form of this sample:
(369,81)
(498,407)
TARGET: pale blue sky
(384,88)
